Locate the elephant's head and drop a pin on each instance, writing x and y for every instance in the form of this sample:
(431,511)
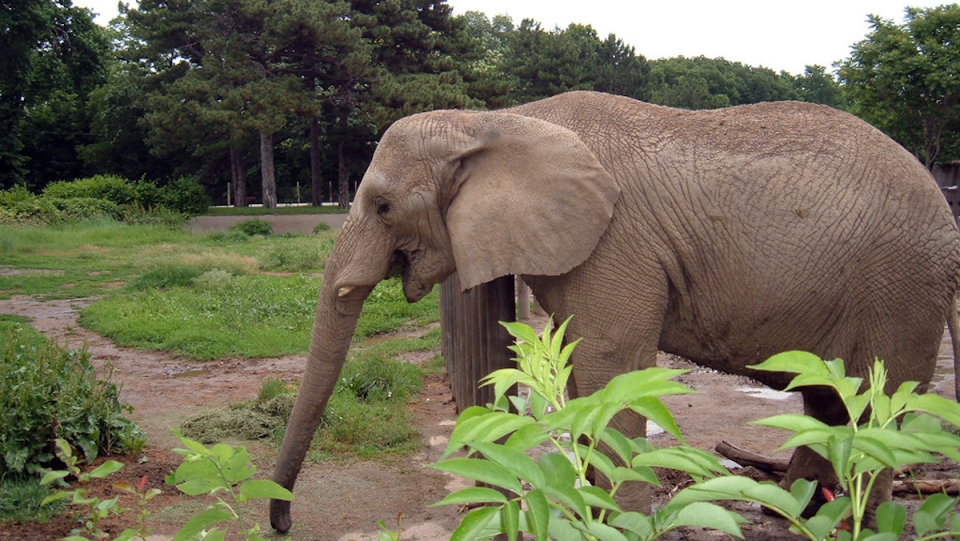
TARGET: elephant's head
(483,194)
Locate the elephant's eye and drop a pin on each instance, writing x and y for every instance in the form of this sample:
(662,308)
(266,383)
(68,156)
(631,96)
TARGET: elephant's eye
(383,207)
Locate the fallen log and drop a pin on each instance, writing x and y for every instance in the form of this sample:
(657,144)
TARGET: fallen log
(746,458)
(950,487)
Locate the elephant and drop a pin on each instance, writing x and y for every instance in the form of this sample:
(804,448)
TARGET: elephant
(723,236)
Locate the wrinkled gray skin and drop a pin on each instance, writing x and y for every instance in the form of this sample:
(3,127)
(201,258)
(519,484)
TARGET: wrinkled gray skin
(723,236)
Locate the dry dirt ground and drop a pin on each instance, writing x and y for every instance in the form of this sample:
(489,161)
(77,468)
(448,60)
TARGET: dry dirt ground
(340,501)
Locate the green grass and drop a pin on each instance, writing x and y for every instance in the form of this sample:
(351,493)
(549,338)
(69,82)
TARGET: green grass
(256,211)
(230,295)
(365,417)
(21,498)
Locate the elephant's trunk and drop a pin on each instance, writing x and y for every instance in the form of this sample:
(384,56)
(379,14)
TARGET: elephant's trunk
(336,319)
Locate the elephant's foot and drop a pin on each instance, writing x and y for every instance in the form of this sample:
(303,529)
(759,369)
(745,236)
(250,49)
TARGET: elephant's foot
(807,464)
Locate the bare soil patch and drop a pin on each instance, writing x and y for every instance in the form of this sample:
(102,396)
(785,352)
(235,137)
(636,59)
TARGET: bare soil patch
(344,500)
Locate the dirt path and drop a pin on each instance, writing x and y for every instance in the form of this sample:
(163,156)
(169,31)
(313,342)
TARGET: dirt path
(345,500)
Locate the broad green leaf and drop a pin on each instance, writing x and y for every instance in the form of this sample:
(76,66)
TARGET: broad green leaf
(653,409)
(875,448)
(510,520)
(883,536)
(838,453)
(682,458)
(891,517)
(803,490)
(562,530)
(527,437)
(490,426)
(619,443)
(192,445)
(473,495)
(520,331)
(557,470)
(632,385)
(598,498)
(719,488)
(920,423)
(601,531)
(933,404)
(795,362)
(56,496)
(263,488)
(52,476)
(641,474)
(202,521)
(235,463)
(933,513)
(567,496)
(633,522)
(517,462)
(793,422)
(771,495)
(537,514)
(481,470)
(474,523)
(105,469)
(828,517)
(817,435)
(709,515)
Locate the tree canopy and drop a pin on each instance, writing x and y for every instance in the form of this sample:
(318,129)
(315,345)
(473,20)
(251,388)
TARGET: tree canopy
(297,92)
(905,79)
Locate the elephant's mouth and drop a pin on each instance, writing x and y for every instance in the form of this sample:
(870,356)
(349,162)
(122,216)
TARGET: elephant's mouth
(414,286)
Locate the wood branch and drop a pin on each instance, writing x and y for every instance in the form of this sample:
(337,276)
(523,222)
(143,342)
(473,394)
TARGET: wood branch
(746,458)
(927,486)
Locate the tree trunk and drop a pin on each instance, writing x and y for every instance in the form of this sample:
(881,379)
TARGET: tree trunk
(238,174)
(343,177)
(316,179)
(266,171)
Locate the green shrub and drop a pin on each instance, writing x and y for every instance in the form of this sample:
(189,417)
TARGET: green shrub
(185,195)
(112,188)
(296,255)
(136,213)
(373,379)
(37,211)
(254,226)
(228,237)
(48,392)
(166,276)
(321,227)
(85,208)
(11,197)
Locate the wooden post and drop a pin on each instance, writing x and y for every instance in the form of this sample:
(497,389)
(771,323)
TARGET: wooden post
(523,300)
(473,341)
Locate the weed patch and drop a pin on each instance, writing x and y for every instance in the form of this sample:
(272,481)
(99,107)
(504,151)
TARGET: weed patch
(47,392)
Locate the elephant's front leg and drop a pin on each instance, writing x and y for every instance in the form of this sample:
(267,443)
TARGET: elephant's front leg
(596,361)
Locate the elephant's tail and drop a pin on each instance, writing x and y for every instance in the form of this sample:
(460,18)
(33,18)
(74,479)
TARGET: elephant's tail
(953,325)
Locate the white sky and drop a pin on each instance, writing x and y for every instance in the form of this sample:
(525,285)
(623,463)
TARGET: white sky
(777,34)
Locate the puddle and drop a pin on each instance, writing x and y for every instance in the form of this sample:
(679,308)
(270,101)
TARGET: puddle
(191,373)
(763,392)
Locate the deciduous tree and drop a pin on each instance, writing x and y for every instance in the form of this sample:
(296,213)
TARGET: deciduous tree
(905,78)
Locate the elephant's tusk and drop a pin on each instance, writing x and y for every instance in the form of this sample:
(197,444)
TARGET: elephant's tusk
(344,291)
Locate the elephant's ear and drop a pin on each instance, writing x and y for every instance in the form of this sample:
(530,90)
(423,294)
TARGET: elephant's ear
(529,197)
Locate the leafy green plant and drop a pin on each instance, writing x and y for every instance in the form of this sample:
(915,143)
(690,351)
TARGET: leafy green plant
(226,472)
(96,509)
(892,431)
(48,392)
(552,497)
(253,226)
(321,227)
